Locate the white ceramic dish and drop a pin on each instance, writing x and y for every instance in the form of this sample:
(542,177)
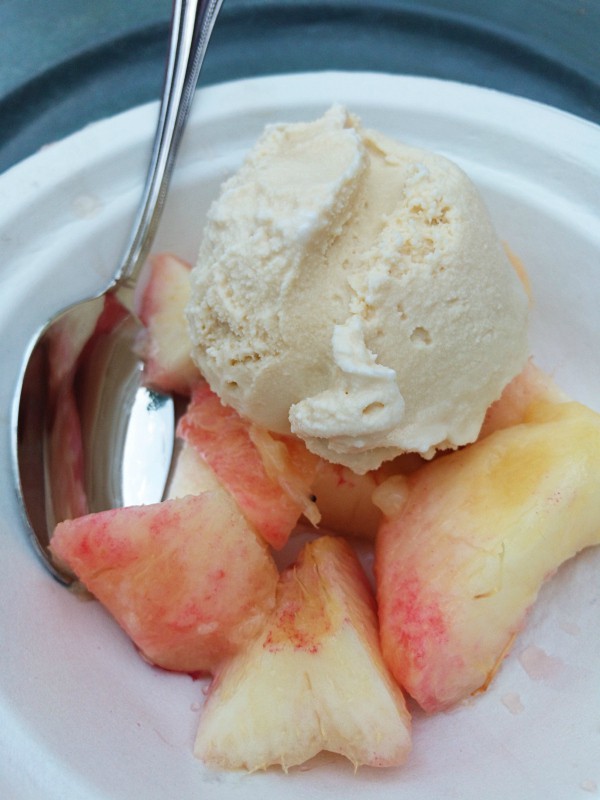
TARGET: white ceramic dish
(81,716)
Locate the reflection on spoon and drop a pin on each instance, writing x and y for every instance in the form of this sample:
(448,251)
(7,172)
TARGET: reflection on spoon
(88,436)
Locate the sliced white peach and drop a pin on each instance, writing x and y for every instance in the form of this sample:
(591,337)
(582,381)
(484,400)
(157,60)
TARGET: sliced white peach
(345,499)
(189,579)
(165,343)
(313,680)
(468,540)
(190,473)
(270,476)
(532,384)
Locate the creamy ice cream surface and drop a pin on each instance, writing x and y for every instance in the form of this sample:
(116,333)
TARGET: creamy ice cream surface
(352,290)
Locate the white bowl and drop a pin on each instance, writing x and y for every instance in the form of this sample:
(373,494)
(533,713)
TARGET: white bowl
(81,715)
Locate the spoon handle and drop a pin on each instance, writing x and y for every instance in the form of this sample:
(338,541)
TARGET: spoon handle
(191,26)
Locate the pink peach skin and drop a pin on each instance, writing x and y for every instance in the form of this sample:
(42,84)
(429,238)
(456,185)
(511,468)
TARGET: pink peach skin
(468,540)
(165,344)
(189,580)
(269,475)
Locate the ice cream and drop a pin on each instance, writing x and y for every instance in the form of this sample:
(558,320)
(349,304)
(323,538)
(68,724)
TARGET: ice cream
(352,290)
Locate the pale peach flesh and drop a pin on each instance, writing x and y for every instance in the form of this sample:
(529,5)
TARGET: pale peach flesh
(469,539)
(313,680)
(269,475)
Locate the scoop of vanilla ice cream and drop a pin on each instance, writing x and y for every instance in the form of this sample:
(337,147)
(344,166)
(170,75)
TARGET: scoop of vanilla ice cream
(352,290)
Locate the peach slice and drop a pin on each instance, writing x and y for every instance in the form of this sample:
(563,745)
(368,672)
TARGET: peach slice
(344,499)
(188,579)
(165,343)
(531,384)
(313,680)
(468,540)
(190,473)
(270,476)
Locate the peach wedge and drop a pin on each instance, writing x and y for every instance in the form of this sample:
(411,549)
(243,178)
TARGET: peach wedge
(468,540)
(189,579)
(165,343)
(190,474)
(313,680)
(531,385)
(344,499)
(270,476)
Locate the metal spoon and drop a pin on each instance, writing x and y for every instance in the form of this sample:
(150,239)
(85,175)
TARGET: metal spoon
(88,435)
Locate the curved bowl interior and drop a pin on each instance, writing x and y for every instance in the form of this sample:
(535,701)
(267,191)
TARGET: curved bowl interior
(82,715)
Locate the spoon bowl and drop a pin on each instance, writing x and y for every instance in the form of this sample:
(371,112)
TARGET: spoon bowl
(90,435)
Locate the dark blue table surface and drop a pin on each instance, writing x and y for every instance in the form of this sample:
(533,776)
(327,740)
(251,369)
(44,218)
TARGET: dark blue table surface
(66,63)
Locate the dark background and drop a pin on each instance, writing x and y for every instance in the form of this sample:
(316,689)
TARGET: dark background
(65,63)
